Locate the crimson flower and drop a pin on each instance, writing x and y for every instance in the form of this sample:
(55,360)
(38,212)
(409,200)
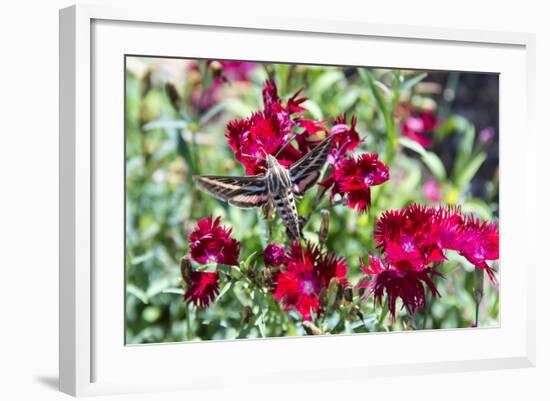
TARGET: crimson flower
(237,70)
(211,242)
(202,288)
(223,71)
(396,283)
(307,272)
(346,138)
(417,236)
(272,130)
(257,136)
(409,237)
(353,177)
(419,126)
(476,240)
(274,255)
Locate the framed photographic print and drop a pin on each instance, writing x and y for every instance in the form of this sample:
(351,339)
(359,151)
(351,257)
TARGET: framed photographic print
(297,190)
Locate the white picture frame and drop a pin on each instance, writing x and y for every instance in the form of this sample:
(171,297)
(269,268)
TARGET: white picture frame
(91,362)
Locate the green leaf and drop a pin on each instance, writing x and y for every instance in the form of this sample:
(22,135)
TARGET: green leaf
(314,109)
(238,108)
(165,124)
(374,86)
(324,82)
(412,145)
(157,287)
(464,151)
(212,111)
(430,159)
(435,165)
(225,288)
(411,82)
(465,176)
(260,322)
(136,260)
(365,74)
(347,99)
(137,292)
(177,291)
(397,78)
(450,125)
(283,71)
(248,261)
(477,207)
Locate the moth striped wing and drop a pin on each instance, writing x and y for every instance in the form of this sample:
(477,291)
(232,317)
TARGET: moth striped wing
(244,192)
(305,172)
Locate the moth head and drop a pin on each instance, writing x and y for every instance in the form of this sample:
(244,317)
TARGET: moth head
(271,161)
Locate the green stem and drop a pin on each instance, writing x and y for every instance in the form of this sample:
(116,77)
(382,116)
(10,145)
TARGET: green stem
(426,309)
(387,111)
(189,323)
(478,292)
(384,313)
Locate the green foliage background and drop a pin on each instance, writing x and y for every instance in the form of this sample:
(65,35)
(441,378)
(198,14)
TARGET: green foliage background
(166,145)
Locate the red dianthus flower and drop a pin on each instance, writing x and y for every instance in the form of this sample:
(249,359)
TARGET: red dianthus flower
(307,272)
(416,236)
(396,283)
(202,288)
(211,242)
(274,255)
(353,178)
(419,126)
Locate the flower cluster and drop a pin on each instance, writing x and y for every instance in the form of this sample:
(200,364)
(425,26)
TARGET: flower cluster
(353,177)
(307,272)
(414,240)
(274,130)
(209,243)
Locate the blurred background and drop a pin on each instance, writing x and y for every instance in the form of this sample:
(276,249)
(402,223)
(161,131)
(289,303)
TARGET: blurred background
(446,127)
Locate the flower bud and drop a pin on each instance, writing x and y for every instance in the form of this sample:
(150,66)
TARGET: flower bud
(311,329)
(186,269)
(146,83)
(267,275)
(486,135)
(246,315)
(323,230)
(173,95)
(348,293)
(334,288)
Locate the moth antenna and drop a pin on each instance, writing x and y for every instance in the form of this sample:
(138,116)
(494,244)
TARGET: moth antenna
(285,144)
(254,157)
